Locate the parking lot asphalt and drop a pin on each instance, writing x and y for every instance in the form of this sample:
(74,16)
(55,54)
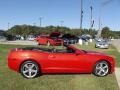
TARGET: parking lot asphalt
(116,43)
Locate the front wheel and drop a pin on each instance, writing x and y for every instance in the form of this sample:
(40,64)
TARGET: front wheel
(101,69)
(29,69)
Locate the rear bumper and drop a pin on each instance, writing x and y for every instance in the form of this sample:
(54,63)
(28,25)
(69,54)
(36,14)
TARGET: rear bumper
(13,64)
(102,47)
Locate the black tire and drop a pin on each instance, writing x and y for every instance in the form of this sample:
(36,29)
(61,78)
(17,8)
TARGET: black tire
(101,69)
(30,69)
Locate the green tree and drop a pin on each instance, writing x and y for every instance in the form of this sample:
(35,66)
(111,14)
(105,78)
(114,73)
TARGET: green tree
(105,32)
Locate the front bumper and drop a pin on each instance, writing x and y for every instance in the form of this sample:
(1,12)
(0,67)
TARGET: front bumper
(102,46)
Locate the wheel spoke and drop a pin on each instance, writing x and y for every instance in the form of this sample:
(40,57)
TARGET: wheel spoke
(25,71)
(105,67)
(34,71)
(32,65)
(30,73)
(103,70)
(26,66)
(98,67)
(101,65)
(99,73)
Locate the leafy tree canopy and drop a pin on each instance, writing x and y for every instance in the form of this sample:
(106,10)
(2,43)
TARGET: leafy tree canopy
(26,30)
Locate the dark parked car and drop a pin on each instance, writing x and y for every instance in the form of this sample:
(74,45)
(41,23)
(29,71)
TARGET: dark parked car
(85,37)
(70,39)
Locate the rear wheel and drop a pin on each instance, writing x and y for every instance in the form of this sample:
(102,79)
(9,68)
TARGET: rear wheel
(101,69)
(29,69)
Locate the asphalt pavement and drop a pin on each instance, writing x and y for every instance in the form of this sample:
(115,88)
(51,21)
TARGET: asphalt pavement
(116,43)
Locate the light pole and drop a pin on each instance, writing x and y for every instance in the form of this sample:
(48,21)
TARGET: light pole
(91,15)
(99,26)
(81,15)
(8,25)
(40,22)
(100,16)
(91,18)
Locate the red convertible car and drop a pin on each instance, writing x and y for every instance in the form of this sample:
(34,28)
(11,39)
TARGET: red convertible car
(34,61)
(52,39)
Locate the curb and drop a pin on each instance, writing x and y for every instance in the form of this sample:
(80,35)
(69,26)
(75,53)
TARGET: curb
(117,74)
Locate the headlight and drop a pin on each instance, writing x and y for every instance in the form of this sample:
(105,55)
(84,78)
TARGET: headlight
(106,45)
(97,44)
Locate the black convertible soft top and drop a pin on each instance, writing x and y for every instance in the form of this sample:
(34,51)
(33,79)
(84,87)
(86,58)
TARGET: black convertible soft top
(50,49)
(38,48)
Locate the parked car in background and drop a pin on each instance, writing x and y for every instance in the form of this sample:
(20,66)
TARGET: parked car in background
(69,39)
(30,38)
(18,37)
(99,39)
(3,38)
(52,39)
(85,37)
(102,44)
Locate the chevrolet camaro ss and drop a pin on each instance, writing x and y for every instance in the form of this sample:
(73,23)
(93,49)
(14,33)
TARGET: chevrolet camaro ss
(34,61)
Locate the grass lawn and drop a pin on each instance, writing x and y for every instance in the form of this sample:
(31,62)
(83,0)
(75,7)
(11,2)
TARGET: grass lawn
(10,80)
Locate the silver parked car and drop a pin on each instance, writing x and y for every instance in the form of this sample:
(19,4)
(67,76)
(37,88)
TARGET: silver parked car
(3,38)
(102,44)
(30,38)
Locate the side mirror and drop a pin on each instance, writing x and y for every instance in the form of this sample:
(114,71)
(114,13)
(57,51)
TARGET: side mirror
(77,52)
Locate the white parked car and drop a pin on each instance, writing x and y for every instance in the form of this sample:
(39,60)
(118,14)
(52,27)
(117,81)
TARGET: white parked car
(31,38)
(3,38)
(102,44)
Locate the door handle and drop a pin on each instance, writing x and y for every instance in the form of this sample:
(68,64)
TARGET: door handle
(51,56)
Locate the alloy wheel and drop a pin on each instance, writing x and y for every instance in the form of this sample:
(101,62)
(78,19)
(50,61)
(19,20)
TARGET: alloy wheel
(101,68)
(29,69)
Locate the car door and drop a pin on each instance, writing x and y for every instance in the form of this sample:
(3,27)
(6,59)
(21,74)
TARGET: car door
(43,40)
(65,62)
